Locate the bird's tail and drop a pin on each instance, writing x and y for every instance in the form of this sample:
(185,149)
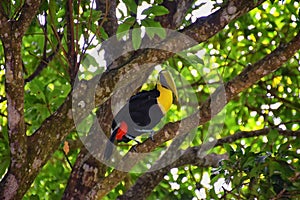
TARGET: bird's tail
(110,145)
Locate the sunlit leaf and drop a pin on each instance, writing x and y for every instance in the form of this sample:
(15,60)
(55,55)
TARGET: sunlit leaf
(156,10)
(136,38)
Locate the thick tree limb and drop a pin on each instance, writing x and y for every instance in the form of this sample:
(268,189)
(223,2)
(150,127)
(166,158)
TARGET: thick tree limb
(14,88)
(177,12)
(213,23)
(110,21)
(15,182)
(85,161)
(28,13)
(4,25)
(149,180)
(85,174)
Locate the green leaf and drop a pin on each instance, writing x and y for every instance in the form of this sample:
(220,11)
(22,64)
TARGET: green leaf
(122,30)
(286,169)
(154,28)
(284,147)
(228,148)
(34,197)
(130,21)
(161,32)
(136,38)
(36,88)
(156,11)
(151,23)
(122,13)
(131,5)
(273,135)
(250,162)
(91,16)
(104,35)
(95,15)
(124,27)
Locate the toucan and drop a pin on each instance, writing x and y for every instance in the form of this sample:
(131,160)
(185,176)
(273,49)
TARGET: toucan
(143,112)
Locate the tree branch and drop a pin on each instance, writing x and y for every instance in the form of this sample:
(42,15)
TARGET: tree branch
(4,25)
(110,21)
(71,55)
(177,12)
(212,24)
(248,134)
(75,183)
(244,80)
(87,165)
(193,156)
(11,36)
(28,12)
(43,64)
(146,183)
(45,59)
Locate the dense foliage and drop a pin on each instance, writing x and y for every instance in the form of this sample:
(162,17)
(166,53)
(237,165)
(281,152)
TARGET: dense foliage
(262,162)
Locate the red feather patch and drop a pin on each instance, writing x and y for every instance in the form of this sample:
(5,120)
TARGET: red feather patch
(122,130)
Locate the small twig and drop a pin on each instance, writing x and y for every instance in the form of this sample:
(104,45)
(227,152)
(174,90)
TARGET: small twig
(86,45)
(45,60)
(59,37)
(248,134)
(67,159)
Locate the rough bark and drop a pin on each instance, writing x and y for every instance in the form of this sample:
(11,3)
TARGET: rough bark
(177,12)
(110,21)
(16,181)
(71,41)
(14,88)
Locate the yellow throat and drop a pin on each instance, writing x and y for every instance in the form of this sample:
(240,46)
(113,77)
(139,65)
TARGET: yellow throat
(165,98)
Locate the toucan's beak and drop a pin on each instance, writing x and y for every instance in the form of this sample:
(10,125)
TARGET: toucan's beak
(166,80)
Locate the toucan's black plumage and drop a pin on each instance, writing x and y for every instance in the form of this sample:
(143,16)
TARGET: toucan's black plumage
(142,112)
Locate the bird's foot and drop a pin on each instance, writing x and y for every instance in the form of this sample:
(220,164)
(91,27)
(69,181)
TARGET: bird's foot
(152,132)
(134,148)
(151,135)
